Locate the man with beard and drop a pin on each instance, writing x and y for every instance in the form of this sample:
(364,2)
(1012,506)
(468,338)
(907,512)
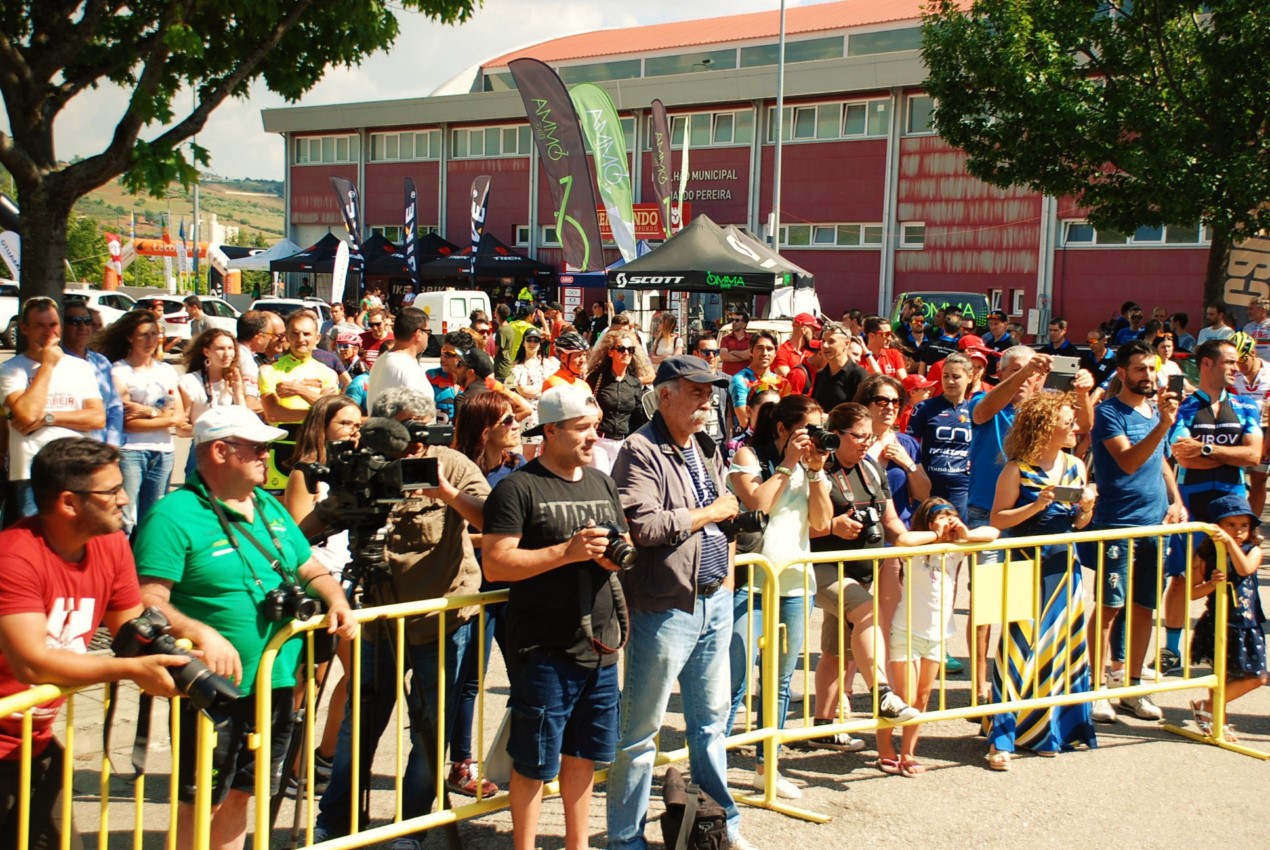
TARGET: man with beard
(1128,458)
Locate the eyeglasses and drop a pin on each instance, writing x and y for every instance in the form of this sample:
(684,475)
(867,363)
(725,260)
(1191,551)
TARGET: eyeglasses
(508,421)
(865,437)
(79,321)
(623,349)
(708,352)
(918,323)
(883,400)
(112,493)
(533,340)
(251,448)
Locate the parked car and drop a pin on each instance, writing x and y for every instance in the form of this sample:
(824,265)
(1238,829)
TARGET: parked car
(286,306)
(176,322)
(110,303)
(9,303)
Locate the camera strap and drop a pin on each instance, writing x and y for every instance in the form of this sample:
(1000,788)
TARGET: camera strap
(585,590)
(229,526)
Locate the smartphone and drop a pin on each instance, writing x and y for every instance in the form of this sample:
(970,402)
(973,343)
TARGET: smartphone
(1062,373)
(1177,384)
(1070,495)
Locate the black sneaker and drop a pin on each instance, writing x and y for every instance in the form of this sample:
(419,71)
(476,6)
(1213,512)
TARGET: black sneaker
(841,741)
(1169,662)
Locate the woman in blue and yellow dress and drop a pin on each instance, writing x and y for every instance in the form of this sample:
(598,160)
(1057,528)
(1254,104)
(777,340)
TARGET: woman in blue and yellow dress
(1034,664)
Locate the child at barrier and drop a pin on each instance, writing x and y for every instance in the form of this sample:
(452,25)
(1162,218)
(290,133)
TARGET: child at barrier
(924,620)
(1245,645)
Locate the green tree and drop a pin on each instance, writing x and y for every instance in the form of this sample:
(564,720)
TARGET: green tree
(52,51)
(1151,112)
(86,249)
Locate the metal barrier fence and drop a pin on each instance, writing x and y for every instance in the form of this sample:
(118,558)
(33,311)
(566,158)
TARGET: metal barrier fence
(1004,593)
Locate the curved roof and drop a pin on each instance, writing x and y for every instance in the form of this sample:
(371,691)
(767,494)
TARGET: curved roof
(818,17)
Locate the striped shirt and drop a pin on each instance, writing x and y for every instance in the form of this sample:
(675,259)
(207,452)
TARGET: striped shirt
(714,546)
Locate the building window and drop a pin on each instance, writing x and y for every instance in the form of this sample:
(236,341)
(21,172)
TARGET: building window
(886,41)
(522,236)
(831,235)
(709,129)
(620,69)
(921,115)
(688,63)
(311,150)
(795,51)
(549,237)
(391,232)
(1082,233)
(831,121)
(913,234)
(469,143)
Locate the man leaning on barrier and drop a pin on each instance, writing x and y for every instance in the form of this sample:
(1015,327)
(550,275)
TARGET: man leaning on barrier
(208,554)
(670,476)
(428,555)
(66,571)
(550,527)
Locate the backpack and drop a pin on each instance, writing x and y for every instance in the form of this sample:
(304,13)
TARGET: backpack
(693,820)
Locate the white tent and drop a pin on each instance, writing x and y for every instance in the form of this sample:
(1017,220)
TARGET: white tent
(259,261)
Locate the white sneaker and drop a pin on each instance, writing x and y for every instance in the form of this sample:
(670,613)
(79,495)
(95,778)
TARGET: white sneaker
(1103,712)
(784,788)
(892,707)
(1115,678)
(739,842)
(1142,707)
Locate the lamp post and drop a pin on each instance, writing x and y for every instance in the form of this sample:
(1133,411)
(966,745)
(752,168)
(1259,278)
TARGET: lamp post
(780,133)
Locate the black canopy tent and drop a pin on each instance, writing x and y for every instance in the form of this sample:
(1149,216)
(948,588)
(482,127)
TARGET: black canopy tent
(387,259)
(493,260)
(318,258)
(801,278)
(699,258)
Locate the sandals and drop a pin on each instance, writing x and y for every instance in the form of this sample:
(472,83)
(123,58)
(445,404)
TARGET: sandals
(891,767)
(998,760)
(1204,721)
(911,768)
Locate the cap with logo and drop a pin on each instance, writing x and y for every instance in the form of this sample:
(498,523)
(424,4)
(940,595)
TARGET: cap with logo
(808,320)
(478,361)
(560,404)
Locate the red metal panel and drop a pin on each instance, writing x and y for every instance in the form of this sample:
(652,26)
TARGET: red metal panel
(1090,284)
(313,201)
(718,182)
(508,197)
(845,279)
(826,182)
(383,195)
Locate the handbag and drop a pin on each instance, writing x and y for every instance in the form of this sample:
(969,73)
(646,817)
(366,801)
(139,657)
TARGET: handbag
(693,820)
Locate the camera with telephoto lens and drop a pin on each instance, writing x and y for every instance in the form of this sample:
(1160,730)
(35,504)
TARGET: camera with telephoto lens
(148,635)
(290,602)
(618,550)
(746,522)
(823,439)
(871,518)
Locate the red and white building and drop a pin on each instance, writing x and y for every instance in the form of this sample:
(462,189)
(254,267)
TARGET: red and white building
(872,201)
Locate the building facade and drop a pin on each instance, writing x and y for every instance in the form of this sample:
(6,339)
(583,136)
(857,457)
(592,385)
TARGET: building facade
(872,201)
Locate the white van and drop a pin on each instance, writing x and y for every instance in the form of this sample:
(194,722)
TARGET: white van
(449,309)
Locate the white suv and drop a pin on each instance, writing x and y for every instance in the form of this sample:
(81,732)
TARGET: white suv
(176,322)
(286,306)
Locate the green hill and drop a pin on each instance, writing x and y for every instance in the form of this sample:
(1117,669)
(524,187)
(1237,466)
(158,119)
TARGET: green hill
(253,206)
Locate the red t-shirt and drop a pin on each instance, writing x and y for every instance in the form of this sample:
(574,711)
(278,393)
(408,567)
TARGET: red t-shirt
(788,355)
(74,597)
(889,361)
(371,347)
(731,343)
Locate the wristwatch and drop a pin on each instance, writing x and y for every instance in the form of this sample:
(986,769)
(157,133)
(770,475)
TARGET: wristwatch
(48,419)
(1206,450)
(912,468)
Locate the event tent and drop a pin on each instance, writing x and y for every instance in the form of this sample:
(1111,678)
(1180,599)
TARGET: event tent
(703,257)
(258,260)
(493,260)
(317,258)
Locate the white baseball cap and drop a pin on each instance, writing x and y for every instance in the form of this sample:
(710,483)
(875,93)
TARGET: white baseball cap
(562,403)
(223,423)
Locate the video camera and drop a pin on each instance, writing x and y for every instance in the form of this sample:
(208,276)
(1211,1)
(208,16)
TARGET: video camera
(148,635)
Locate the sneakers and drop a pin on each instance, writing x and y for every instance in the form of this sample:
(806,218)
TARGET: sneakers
(405,844)
(739,842)
(784,788)
(892,707)
(841,741)
(1103,712)
(1170,661)
(1142,707)
(952,666)
(462,780)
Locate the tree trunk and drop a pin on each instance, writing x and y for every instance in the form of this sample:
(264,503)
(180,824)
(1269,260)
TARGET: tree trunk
(43,231)
(1215,272)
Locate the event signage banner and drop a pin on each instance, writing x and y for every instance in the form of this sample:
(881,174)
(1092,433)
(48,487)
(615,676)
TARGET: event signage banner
(603,130)
(649,224)
(480,209)
(662,165)
(410,219)
(563,156)
(347,194)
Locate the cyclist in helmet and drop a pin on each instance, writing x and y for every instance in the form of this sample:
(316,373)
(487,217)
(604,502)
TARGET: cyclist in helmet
(571,352)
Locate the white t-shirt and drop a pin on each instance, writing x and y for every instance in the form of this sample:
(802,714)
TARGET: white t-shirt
(250,370)
(396,369)
(1260,331)
(153,384)
(787,535)
(74,381)
(192,383)
(931,580)
(1224,332)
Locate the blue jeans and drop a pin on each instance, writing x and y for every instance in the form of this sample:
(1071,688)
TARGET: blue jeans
(379,686)
(665,646)
(146,474)
(21,502)
(793,617)
(469,681)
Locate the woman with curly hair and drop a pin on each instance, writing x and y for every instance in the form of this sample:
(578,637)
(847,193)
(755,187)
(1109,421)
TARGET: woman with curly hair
(1043,490)
(617,371)
(152,407)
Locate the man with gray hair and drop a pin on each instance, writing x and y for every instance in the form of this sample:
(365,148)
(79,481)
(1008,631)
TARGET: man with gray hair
(839,380)
(669,475)
(429,555)
(1259,325)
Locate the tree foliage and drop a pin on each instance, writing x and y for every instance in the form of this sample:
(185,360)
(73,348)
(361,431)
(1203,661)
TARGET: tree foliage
(1151,112)
(86,248)
(52,51)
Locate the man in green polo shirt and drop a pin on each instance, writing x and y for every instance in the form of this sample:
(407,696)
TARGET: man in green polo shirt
(207,555)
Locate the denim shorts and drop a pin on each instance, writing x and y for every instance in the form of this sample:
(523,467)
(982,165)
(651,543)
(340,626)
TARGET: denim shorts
(233,764)
(1114,578)
(559,708)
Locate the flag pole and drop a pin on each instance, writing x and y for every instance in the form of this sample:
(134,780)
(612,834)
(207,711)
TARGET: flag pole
(780,133)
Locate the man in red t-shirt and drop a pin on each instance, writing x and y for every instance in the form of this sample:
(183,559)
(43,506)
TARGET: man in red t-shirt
(378,336)
(67,570)
(790,353)
(735,346)
(881,359)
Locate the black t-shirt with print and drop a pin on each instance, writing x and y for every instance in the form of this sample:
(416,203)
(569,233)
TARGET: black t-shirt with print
(545,611)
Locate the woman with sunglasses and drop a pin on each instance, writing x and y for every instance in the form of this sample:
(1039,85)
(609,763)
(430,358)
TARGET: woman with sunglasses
(211,379)
(487,432)
(883,396)
(780,473)
(332,419)
(616,372)
(152,407)
(863,517)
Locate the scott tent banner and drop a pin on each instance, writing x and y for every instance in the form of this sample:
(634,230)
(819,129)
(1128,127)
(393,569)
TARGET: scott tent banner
(608,145)
(699,258)
(347,194)
(410,218)
(480,208)
(563,156)
(662,163)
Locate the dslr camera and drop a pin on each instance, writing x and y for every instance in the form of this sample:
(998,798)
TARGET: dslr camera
(290,602)
(823,439)
(148,635)
(871,518)
(618,550)
(746,522)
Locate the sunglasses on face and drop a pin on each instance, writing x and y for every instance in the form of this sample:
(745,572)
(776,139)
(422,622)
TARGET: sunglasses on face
(376,324)
(624,349)
(508,421)
(708,352)
(79,321)
(884,400)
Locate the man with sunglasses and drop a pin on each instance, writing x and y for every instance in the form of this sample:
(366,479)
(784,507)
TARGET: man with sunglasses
(881,358)
(734,348)
(401,367)
(1134,330)
(207,555)
(79,330)
(68,570)
(1099,360)
(716,427)
(378,336)
(790,353)
(46,395)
